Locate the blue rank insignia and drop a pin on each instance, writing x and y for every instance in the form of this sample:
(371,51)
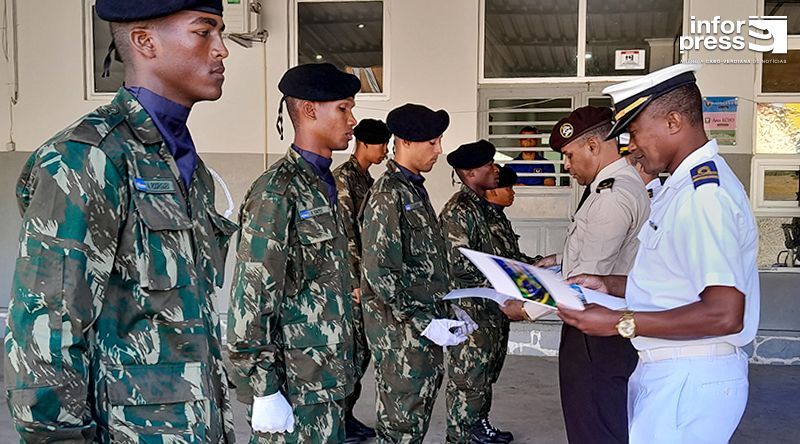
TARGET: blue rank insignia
(705,173)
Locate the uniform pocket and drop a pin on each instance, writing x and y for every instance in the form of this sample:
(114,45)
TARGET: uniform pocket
(166,257)
(223,230)
(420,233)
(317,360)
(316,236)
(37,307)
(166,401)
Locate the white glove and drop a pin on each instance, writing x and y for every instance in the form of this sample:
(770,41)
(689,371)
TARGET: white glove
(272,414)
(439,331)
(469,324)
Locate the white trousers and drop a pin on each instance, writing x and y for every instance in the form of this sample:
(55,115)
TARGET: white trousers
(687,400)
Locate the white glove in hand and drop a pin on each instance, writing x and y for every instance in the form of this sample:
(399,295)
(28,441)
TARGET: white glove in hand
(272,414)
(445,332)
(469,324)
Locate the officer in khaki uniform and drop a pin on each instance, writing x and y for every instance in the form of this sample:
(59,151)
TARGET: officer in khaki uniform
(352,184)
(601,239)
(404,276)
(113,335)
(290,317)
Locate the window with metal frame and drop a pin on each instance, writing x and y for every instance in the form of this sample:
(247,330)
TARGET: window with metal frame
(534,39)
(98,39)
(518,122)
(347,33)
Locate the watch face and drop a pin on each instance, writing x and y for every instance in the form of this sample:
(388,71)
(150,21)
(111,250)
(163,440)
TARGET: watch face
(626,328)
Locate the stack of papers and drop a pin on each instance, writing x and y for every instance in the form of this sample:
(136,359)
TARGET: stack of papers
(517,280)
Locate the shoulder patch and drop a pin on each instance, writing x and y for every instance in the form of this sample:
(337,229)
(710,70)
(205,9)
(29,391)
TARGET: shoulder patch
(705,173)
(605,184)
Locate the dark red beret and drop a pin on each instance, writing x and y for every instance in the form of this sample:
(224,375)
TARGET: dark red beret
(578,123)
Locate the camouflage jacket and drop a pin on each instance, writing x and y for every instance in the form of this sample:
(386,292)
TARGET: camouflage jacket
(290,315)
(113,334)
(352,186)
(504,239)
(404,270)
(465,220)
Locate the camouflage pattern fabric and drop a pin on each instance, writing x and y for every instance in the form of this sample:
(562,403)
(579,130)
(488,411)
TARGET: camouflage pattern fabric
(352,186)
(504,239)
(314,423)
(474,365)
(407,382)
(404,276)
(290,315)
(113,333)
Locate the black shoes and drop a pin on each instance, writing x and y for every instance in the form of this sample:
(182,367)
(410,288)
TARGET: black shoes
(356,430)
(483,432)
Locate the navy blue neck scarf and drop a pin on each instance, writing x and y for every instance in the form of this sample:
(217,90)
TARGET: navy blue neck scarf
(322,167)
(170,119)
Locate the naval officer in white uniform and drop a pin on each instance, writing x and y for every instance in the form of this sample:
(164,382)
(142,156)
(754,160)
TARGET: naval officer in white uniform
(693,292)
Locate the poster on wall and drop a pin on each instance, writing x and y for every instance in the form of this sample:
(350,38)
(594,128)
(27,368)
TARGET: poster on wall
(719,119)
(629,59)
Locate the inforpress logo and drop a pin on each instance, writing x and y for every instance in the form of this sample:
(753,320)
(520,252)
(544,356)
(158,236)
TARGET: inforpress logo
(758,33)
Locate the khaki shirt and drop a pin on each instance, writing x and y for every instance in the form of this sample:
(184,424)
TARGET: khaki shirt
(602,236)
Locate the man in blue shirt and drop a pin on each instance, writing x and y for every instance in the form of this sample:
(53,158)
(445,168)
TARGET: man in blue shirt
(530,156)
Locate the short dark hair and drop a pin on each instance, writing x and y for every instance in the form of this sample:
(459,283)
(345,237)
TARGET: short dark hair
(685,100)
(120,33)
(600,132)
(293,109)
(529,129)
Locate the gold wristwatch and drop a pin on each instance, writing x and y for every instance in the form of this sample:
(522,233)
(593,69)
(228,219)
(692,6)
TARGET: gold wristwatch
(626,327)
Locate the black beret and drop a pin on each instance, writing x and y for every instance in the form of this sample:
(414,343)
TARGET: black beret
(136,10)
(578,123)
(472,155)
(417,123)
(508,177)
(318,82)
(371,131)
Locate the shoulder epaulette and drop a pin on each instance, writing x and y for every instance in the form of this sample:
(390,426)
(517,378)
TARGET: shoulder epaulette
(605,184)
(275,180)
(705,173)
(95,126)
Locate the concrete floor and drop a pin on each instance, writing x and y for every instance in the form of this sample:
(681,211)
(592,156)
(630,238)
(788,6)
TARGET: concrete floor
(526,402)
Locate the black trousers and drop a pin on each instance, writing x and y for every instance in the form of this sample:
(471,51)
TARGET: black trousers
(593,378)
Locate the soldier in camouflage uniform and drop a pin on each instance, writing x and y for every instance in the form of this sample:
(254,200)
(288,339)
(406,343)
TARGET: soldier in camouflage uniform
(113,334)
(352,183)
(503,236)
(290,317)
(473,366)
(404,276)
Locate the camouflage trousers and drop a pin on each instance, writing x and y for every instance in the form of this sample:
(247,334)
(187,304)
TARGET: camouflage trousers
(472,368)
(407,381)
(313,423)
(361,358)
